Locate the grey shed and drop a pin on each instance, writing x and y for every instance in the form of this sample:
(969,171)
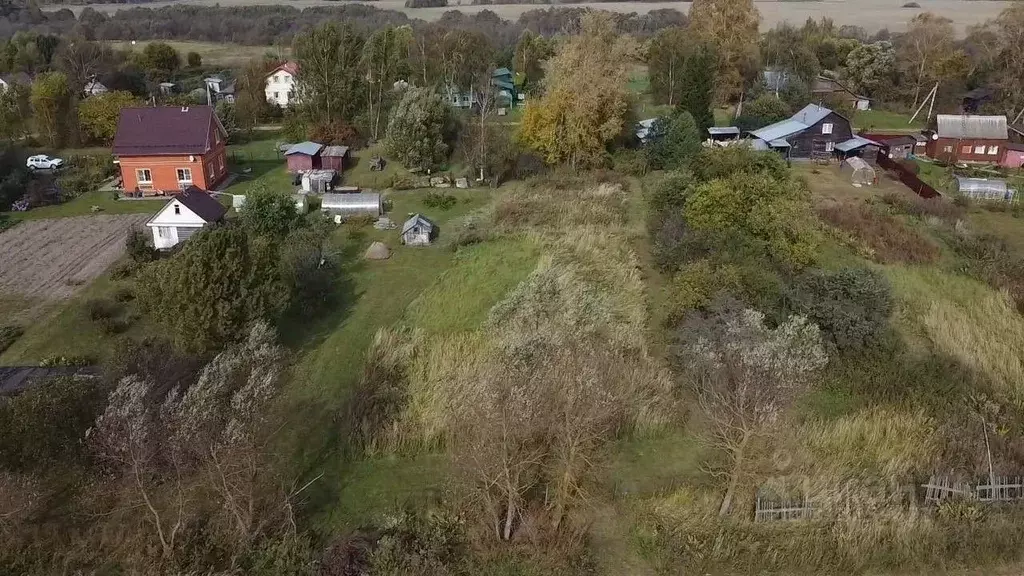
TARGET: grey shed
(345,205)
(984,188)
(418,231)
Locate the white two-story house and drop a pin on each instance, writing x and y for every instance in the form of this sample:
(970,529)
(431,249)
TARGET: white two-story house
(281,84)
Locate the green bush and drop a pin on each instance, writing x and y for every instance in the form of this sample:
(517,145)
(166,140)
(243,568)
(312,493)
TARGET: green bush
(632,162)
(102,309)
(8,335)
(851,306)
(439,200)
(61,360)
(138,248)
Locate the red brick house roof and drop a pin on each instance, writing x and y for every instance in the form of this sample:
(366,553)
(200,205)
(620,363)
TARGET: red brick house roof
(163,130)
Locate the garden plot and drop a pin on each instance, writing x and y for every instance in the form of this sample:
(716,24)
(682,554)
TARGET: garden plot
(52,259)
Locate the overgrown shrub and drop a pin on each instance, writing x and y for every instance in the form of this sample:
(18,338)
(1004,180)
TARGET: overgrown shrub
(889,239)
(69,360)
(8,335)
(439,200)
(138,247)
(914,205)
(124,269)
(629,161)
(44,425)
(101,309)
(851,306)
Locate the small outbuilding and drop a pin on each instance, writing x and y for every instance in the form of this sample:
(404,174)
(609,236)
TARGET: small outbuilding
(187,213)
(318,181)
(334,158)
(1013,156)
(418,231)
(900,147)
(304,156)
(860,171)
(724,133)
(984,188)
(377,251)
(347,205)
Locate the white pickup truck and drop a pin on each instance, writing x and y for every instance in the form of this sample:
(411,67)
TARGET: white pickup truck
(43,162)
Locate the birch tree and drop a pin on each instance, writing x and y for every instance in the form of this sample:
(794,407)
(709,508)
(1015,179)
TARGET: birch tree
(666,59)
(385,59)
(746,376)
(929,41)
(329,82)
(730,27)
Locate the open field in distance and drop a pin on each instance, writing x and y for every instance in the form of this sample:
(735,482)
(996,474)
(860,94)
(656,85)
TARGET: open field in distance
(213,53)
(870,14)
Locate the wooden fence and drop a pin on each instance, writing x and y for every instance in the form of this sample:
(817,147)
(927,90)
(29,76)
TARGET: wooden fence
(908,178)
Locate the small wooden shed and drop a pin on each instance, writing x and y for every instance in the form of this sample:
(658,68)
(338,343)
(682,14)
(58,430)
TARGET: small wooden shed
(304,156)
(418,231)
(334,158)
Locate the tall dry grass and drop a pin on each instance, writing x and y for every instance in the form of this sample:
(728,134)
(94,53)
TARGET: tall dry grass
(888,239)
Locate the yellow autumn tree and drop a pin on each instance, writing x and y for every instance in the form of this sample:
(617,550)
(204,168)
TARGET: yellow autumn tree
(730,26)
(586,99)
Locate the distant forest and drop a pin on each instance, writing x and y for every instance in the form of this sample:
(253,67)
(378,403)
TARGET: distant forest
(268,25)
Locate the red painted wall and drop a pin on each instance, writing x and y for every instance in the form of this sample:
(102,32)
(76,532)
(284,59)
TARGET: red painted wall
(301,162)
(1013,159)
(937,150)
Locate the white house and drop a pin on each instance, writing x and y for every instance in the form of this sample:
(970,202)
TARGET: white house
(280,88)
(186,213)
(218,89)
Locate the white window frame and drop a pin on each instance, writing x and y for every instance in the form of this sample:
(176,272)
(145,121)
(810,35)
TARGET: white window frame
(979,149)
(948,149)
(277,95)
(163,231)
(830,146)
(965,149)
(179,172)
(827,128)
(177,209)
(144,176)
(993,150)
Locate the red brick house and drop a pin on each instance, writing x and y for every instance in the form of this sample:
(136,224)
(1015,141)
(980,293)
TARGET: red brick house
(165,149)
(968,138)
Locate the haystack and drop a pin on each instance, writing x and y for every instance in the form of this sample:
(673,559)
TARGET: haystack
(377,251)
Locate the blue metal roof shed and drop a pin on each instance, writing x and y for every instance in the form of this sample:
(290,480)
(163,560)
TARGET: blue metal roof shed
(307,148)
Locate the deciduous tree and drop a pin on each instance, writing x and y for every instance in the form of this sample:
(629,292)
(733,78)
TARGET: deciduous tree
(666,61)
(746,375)
(677,141)
(730,26)
(528,58)
(98,115)
(161,61)
(870,68)
(329,85)
(419,132)
(922,51)
(269,212)
(385,59)
(572,125)
(15,112)
(53,108)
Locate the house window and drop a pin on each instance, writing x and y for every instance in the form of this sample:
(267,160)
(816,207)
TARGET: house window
(184,175)
(144,176)
(966,149)
(830,146)
(277,95)
(948,149)
(826,128)
(979,149)
(220,161)
(177,210)
(993,150)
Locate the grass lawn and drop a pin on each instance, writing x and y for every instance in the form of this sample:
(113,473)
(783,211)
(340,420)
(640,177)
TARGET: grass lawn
(64,328)
(82,206)
(213,53)
(330,352)
(884,120)
(936,176)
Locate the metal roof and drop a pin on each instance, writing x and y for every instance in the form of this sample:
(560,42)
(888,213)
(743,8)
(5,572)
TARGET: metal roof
(855,143)
(779,130)
(306,148)
(416,218)
(972,126)
(779,143)
(335,151)
(724,130)
(811,114)
(163,130)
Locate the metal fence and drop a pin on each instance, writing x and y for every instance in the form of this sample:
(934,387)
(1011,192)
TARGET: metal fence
(908,178)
